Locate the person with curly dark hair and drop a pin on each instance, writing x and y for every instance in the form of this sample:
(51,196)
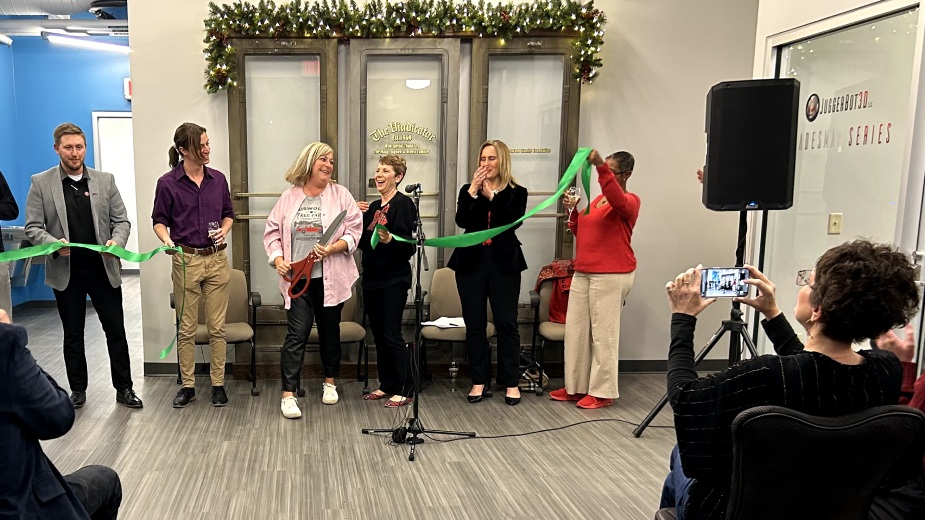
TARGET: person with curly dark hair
(858,290)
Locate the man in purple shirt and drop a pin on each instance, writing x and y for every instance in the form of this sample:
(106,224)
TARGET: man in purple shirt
(192,210)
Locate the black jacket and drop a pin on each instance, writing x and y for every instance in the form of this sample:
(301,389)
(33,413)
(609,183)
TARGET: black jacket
(32,407)
(507,206)
(9,210)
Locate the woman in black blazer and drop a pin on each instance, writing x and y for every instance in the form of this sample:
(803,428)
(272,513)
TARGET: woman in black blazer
(492,269)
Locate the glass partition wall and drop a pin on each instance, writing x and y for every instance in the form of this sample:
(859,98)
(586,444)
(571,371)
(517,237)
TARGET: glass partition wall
(853,130)
(404,99)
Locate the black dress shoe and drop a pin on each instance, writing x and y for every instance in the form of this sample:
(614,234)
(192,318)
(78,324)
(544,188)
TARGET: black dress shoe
(78,398)
(129,398)
(184,397)
(219,397)
(511,401)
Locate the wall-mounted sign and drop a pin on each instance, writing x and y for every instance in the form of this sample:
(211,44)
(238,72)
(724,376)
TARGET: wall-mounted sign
(531,150)
(845,127)
(400,138)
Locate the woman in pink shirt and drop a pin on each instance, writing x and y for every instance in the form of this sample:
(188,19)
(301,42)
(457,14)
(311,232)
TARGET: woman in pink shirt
(605,267)
(294,227)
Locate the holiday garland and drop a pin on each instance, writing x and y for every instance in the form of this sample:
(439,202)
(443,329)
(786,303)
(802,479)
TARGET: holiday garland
(410,18)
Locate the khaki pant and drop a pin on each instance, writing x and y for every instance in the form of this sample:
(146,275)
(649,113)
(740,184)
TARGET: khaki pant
(206,278)
(592,333)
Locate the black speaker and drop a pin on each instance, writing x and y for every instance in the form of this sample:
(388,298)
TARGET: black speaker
(751,144)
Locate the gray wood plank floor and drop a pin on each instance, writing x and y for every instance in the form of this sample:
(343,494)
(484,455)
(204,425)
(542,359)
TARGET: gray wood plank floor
(247,461)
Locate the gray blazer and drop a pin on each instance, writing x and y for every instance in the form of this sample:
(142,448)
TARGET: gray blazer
(46,220)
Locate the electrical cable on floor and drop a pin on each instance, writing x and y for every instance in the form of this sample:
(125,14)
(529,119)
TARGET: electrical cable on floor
(402,418)
(544,430)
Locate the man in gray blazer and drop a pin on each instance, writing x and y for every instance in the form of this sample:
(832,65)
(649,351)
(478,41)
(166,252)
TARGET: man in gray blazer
(73,203)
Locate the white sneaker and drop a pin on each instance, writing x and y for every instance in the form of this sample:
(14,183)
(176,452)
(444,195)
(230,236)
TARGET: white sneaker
(290,408)
(329,393)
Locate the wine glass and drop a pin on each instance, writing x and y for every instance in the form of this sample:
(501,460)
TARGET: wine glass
(214,227)
(573,197)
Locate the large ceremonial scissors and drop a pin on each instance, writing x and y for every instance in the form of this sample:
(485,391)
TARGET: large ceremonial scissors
(304,267)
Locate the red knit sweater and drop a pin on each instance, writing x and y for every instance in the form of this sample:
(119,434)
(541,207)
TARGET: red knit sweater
(603,235)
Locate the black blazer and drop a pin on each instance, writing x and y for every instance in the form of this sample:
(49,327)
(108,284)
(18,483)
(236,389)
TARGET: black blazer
(507,206)
(32,407)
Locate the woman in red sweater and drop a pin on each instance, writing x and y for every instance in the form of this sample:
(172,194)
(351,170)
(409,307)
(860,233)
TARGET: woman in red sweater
(604,270)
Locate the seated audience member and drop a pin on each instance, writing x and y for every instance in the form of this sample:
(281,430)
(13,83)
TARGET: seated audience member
(857,290)
(906,500)
(32,408)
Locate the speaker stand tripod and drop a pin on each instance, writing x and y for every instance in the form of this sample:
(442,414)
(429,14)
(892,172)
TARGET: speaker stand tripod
(734,325)
(412,432)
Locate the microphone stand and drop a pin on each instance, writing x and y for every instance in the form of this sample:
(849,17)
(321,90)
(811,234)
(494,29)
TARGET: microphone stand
(415,428)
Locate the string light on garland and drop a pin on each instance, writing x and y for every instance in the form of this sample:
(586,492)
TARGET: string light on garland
(408,18)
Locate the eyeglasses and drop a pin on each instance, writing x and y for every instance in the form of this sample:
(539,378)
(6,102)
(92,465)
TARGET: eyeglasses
(615,172)
(803,277)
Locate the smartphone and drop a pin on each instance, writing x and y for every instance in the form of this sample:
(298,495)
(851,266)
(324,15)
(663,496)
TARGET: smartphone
(723,282)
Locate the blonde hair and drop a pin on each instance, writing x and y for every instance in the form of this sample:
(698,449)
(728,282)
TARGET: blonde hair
(301,170)
(504,162)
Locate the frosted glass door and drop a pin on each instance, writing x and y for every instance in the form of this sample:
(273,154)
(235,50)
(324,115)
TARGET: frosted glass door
(283,116)
(525,111)
(404,117)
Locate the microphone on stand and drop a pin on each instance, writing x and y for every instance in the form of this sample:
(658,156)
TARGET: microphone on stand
(411,188)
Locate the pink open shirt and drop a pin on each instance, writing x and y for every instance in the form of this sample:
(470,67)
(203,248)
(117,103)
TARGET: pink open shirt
(340,270)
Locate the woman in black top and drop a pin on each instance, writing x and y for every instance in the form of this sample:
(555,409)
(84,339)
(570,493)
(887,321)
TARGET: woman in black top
(858,290)
(491,270)
(387,278)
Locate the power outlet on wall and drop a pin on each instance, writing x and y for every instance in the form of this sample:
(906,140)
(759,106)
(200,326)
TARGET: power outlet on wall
(835,221)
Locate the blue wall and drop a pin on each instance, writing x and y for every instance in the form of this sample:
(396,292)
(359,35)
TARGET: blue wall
(56,84)
(7,112)
(50,84)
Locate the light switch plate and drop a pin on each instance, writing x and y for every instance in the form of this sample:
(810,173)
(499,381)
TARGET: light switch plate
(835,223)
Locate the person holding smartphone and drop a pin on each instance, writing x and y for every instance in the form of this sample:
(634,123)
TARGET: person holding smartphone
(602,280)
(857,290)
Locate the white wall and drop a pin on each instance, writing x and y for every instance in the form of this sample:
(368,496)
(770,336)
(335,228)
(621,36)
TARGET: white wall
(167,76)
(660,58)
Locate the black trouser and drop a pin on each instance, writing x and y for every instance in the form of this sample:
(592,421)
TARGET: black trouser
(907,501)
(502,292)
(99,490)
(302,312)
(72,307)
(385,307)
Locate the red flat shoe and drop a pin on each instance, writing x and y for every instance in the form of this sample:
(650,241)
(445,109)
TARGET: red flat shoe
(372,396)
(589,402)
(395,404)
(563,395)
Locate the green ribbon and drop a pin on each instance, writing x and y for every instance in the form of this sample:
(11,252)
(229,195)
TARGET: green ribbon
(579,164)
(121,252)
(47,249)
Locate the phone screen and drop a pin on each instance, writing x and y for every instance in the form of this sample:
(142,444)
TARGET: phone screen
(723,282)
